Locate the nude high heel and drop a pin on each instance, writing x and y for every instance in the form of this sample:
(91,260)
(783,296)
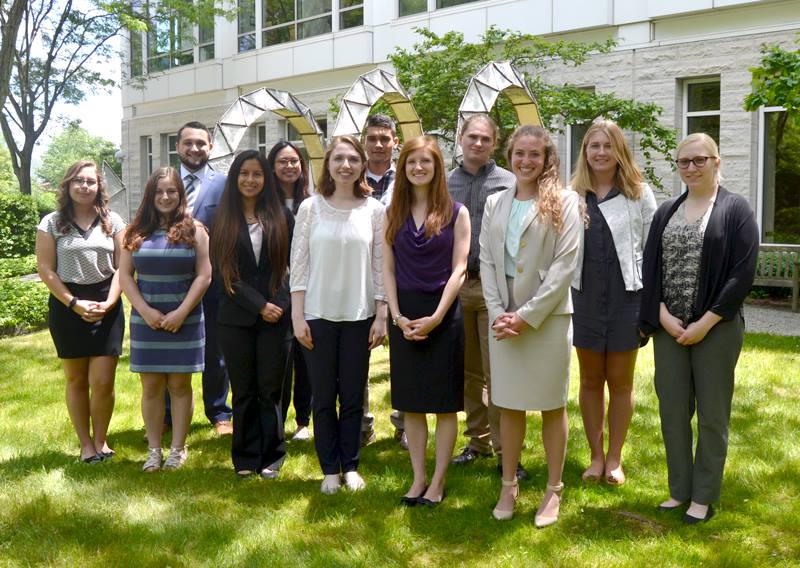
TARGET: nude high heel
(548,512)
(504,515)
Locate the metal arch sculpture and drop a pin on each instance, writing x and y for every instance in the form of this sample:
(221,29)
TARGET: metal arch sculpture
(247,109)
(496,78)
(367,90)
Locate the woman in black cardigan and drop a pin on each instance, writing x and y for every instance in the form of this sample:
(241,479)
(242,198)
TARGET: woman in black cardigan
(250,253)
(699,264)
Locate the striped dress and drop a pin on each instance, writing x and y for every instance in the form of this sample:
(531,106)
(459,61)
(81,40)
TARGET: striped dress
(165,273)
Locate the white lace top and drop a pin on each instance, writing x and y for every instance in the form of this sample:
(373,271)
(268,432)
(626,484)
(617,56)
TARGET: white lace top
(336,259)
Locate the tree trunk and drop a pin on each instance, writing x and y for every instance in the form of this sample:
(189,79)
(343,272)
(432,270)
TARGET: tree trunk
(8,45)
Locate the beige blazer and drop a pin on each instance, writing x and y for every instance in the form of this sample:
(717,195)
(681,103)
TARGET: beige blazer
(545,262)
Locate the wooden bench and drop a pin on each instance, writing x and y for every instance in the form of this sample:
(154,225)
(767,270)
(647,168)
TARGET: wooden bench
(779,265)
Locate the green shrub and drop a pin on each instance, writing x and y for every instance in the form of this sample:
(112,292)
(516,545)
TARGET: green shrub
(45,202)
(23,306)
(10,267)
(18,220)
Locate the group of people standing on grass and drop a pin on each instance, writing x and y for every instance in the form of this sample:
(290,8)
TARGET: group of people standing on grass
(483,278)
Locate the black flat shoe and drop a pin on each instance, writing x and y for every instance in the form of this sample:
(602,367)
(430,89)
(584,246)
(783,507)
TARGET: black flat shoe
(105,456)
(690,520)
(431,504)
(92,459)
(407,501)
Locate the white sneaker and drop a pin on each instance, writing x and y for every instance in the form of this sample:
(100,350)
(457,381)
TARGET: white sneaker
(353,481)
(177,457)
(153,462)
(331,484)
(303,434)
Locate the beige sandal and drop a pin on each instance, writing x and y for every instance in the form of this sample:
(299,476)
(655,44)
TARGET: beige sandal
(548,513)
(502,514)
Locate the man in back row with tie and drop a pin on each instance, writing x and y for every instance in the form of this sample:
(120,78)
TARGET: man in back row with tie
(204,188)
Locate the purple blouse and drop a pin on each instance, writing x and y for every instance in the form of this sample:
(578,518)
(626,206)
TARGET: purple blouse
(422,264)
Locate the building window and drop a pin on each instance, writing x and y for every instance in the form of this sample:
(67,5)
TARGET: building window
(448,3)
(701,107)
(409,7)
(247,25)
(351,14)
(146,151)
(262,140)
(169,150)
(780,199)
(170,43)
(575,134)
(205,41)
(290,20)
(135,54)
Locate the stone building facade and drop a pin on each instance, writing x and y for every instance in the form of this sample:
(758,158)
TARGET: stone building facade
(690,57)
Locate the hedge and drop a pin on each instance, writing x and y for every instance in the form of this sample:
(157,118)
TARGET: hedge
(18,219)
(23,306)
(10,267)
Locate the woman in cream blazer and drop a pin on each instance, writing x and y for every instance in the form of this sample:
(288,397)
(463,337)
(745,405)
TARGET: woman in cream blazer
(529,244)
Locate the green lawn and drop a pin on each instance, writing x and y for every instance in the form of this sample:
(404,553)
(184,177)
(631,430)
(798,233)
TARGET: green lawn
(56,511)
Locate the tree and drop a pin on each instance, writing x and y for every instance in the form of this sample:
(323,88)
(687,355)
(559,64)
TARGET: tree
(10,19)
(71,145)
(57,41)
(437,69)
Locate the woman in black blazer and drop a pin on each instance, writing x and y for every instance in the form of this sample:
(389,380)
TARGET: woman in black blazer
(250,254)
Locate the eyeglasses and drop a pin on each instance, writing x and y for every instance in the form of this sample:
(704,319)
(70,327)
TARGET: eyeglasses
(288,162)
(698,161)
(88,181)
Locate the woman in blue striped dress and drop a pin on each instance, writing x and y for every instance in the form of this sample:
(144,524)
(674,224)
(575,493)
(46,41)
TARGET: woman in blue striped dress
(168,251)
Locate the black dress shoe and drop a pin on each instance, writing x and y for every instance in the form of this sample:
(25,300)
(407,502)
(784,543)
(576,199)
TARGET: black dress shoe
(467,456)
(521,473)
(690,520)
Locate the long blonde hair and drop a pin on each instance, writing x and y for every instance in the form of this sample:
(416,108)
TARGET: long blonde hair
(549,201)
(628,177)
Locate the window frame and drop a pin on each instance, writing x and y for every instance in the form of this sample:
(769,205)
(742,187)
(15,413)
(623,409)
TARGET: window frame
(686,114)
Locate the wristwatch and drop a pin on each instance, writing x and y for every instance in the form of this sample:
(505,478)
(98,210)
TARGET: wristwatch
(396,319)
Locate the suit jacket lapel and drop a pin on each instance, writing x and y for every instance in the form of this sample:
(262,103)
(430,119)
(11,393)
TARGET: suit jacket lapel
(247,244)
(532,214)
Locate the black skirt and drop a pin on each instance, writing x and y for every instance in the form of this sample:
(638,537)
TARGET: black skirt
(428,376)
(75,338)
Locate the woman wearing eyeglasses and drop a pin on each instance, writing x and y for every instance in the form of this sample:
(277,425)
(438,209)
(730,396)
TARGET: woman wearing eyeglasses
(290,177)
(77,251)
(699,264)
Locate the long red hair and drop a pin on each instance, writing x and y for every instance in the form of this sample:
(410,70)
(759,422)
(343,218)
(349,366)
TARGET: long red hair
(440,203)
(179,226)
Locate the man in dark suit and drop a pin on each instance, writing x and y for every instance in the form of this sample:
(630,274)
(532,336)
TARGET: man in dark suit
(204,188)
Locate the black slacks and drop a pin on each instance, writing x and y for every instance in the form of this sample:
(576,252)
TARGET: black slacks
(296,369)
(256,360)
(338,367)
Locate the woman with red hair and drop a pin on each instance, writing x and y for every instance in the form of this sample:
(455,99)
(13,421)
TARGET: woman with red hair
(424,264)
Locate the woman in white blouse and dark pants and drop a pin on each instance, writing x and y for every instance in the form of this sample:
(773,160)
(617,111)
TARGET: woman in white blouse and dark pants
(338,304)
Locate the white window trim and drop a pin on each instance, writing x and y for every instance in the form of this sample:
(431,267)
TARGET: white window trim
(760,181)
(686,114)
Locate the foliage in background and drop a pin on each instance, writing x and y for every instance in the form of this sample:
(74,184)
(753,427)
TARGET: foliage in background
(7,180)
(61,54)
(18,220)
(437,70)
(19,266)
(776,81)
(23,306)
(71,145)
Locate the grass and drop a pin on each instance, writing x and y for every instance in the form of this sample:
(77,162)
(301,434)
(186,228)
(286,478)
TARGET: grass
(58,512)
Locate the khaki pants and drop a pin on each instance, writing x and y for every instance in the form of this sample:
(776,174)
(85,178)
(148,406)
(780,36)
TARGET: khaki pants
(483,418)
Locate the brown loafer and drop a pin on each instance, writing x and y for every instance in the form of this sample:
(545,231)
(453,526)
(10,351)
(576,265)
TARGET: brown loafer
(223,428)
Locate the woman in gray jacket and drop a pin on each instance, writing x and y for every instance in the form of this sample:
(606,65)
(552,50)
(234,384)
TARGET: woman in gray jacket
(605,290)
